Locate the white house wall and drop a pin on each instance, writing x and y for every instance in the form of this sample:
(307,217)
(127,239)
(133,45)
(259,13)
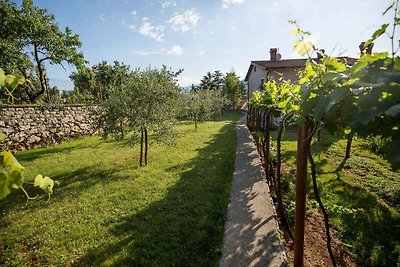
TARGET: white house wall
(255,79)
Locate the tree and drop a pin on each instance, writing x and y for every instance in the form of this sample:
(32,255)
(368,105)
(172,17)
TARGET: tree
(212,81)
(98,80)
(203,104)
(233,88)
(31,39)
(147,102)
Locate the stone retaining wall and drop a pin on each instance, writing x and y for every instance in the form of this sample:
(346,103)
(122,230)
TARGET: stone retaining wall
(32,126)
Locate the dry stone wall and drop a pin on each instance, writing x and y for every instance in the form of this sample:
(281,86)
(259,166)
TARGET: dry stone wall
(32,126)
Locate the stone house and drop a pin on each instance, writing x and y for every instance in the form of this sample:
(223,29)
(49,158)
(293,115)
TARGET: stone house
(261,70)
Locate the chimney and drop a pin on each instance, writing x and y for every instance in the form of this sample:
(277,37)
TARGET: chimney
(320,53)
(272,53)
(366,50)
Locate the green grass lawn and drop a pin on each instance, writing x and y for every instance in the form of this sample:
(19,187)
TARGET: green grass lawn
(362,197)
(108,211)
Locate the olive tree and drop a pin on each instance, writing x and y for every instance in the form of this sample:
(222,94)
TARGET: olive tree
(204,104)
(147,103)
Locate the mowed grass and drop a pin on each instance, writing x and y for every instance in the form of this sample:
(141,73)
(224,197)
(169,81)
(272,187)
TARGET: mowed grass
(360,194)
(109,211)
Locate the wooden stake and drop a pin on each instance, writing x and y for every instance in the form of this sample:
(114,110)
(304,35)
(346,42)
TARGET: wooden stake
(301,178)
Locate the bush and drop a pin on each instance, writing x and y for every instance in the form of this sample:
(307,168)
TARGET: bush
(375,143)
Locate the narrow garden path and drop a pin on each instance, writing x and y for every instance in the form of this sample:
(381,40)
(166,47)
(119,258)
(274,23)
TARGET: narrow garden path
(251,235)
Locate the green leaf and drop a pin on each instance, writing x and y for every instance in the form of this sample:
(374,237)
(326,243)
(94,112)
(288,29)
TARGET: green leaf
(284,103)
(388,8)
(7,182)
(392,154)
(334,64)
(16,179)
(11,82)
(10,162)
(2,78)
(376,34)
(46,184)
(4,185)
(303,47)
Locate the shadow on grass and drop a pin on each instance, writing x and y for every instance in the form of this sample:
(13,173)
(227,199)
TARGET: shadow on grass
(368,225)
(186,227)
(71,184)
(372,229)
(67,147)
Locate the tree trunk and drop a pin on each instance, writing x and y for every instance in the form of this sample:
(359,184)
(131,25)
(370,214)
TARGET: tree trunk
(41,74)
(266,144)
(319,135)
(121,128)
(278,178)
(321,206)
(348,146)
(49,100)
(146,147)
(195,121)
(301,191)
(141,147)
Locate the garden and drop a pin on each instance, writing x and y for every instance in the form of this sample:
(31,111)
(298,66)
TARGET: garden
(149,184)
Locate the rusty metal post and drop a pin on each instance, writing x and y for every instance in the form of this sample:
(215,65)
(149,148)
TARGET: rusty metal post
(301,178)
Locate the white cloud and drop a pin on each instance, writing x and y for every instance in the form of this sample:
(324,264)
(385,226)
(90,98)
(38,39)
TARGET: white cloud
(146,53)
(167,3)
(134,13)
(226,3)
(184,21)
(152,31)
(132,27)
(175,50)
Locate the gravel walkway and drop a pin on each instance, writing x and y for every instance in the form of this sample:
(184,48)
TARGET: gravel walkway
(251,237)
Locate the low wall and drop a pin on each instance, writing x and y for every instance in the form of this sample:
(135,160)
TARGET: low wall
(32,126)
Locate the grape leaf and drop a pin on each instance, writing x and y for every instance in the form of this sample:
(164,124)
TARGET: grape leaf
(388,8)
(16,179)
(303,47)
(376,34)
(10,162)
(4,185)
(46,183)
(11,82)
(2,78)
(7,182)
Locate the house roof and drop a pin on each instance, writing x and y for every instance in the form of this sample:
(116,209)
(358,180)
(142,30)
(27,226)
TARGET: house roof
(289,63)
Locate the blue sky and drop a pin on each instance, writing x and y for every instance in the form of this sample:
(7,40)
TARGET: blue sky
(201,36)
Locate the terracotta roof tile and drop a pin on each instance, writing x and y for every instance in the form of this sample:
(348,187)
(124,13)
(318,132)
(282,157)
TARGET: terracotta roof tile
(291,63)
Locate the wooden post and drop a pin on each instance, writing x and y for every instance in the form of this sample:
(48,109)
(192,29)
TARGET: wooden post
(141,147)
(348,146)
(266,144)
(146,147)
(301,178)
